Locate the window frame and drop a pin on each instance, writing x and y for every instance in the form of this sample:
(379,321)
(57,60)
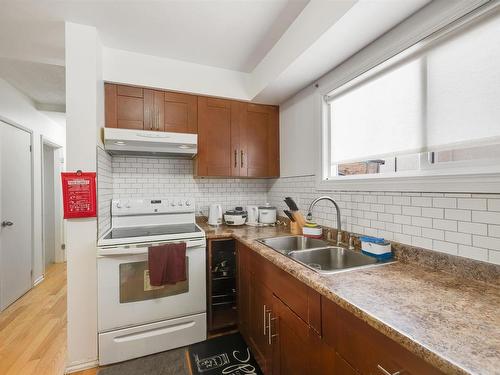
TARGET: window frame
(476,179)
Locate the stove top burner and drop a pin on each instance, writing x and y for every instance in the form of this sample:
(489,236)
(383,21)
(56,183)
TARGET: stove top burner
(152,230)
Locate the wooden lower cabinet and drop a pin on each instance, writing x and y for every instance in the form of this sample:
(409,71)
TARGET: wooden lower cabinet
(290,338)
(366,349)
(292,330)
(261,300)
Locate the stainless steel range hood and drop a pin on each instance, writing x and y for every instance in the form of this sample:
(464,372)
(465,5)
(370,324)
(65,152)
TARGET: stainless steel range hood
(150,143)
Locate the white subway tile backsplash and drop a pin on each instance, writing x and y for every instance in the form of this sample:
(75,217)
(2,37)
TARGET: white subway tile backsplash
(444,224)
(401,219)
(421,201)
(431,220)
(402,201)
(494,204)
(476,253)
(452,214)
(494,256)
(104,191)
(444,202)
(393,209)
(474,228)
(435,234)
(472,203)
(486,242)
(457,237)
(494,230)
(412,230)
(412,211)
(464,224)
(421,221)
(445,247)
(403,238)
(161,177)
(426,243)
(486,217)
(437,213)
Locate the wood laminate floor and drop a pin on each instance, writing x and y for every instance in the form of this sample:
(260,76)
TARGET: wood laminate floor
(33,329)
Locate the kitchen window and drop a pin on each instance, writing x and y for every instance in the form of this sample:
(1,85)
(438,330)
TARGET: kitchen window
(431,110)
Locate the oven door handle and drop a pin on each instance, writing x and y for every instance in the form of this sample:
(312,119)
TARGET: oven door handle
(143,248)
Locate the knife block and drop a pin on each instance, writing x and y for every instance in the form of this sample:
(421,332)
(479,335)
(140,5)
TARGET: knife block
(299,219)
(295,228)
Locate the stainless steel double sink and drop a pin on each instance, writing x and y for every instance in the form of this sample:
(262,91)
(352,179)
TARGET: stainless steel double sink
(319,255)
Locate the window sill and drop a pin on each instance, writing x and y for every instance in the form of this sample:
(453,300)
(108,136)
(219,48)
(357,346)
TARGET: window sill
(464,183)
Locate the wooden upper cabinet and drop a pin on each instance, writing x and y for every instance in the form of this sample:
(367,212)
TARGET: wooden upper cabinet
(125,106)
(178,112)
(251,140)
(235,139)
(259,143)
(214,137)
(132,107)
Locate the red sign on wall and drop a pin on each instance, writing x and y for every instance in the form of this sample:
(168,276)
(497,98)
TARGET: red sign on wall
(79,194)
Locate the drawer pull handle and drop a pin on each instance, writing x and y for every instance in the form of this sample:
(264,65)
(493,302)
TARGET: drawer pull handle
(385,372)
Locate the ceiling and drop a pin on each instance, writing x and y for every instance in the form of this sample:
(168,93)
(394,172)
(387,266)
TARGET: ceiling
(233,35)
(43,83)
(238,36)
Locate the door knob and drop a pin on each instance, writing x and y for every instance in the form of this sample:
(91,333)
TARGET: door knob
(7,223)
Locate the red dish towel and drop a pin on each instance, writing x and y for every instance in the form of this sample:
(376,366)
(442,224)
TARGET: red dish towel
(167,264)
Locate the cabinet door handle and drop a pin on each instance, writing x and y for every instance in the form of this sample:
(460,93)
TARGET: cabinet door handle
(385,372)
(157,119)
(265,324)
(241,156)
(235,158)
(270,335)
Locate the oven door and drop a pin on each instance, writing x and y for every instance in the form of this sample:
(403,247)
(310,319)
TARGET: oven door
(126,298)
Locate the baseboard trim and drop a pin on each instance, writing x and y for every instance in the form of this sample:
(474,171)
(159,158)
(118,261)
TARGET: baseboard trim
(80,366)
(38,280)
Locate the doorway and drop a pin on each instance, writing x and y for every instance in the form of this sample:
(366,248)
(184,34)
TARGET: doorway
(52,216)
(15,213)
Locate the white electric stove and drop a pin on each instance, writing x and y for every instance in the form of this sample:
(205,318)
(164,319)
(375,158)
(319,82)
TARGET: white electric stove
(135,318)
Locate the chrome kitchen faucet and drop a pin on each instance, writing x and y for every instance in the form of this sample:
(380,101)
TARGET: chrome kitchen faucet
(339,226)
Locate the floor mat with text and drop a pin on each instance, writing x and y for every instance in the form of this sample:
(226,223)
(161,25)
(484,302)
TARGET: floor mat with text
(224,355)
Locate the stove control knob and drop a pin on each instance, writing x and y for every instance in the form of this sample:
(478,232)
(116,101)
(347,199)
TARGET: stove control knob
(118,205)
(172,204)
(180,203)
(188,203)
(127,204)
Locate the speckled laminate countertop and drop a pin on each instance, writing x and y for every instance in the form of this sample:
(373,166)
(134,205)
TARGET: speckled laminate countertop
(451,322)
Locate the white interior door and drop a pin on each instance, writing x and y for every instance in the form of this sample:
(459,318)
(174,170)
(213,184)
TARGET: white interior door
(15,214)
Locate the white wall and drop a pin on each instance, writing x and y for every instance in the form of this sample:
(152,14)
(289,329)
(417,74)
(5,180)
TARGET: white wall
(299,136)
(49,230)
(144,70)
(85,117)
(17,108)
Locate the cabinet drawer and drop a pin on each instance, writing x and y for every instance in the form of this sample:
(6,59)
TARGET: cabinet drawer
(301,299)
(287,288)
(364,348)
